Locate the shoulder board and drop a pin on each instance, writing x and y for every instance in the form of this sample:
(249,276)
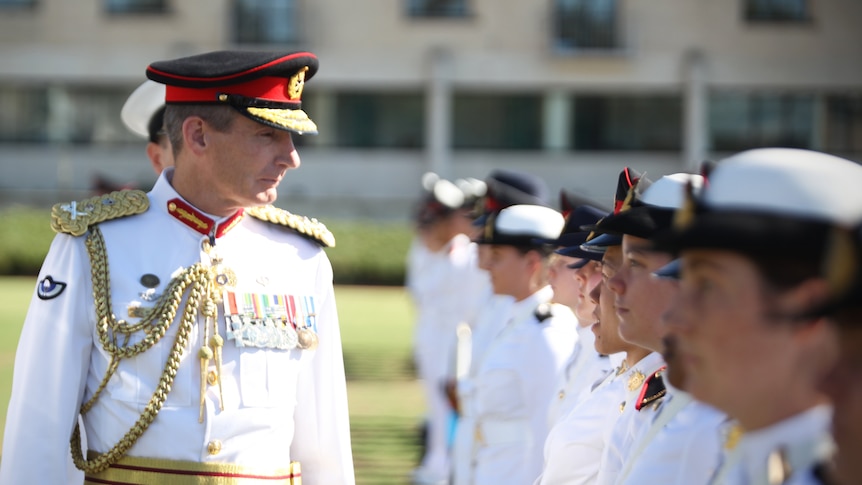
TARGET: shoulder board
(77,216)
(543,312)
(310,228)
(653,389)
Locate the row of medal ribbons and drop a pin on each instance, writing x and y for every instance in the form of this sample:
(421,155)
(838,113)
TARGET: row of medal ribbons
(269,321)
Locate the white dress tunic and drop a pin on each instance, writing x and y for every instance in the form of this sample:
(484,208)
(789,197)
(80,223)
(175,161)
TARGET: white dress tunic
(278,405)
(514,384)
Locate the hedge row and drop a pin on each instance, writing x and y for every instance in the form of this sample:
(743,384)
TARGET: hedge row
(366,253)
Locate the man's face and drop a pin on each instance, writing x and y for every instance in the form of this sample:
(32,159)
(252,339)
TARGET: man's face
(563,281)
(736,356)
(844,387)
(247,162)
(641,298)
(509,270)
(588,276)
(606,328)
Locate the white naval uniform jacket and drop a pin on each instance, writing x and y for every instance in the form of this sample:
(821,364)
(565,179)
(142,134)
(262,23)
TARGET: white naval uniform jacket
(574,447)
(682,445)
(513,385)
(631,422)
(279,405)
(797,444)
(584,368)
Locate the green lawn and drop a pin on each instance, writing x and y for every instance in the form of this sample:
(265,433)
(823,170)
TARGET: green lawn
(386,403)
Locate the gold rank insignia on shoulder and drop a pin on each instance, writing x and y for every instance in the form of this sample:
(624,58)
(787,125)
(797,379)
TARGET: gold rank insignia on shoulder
(636,379)
(77,216)
(311,228)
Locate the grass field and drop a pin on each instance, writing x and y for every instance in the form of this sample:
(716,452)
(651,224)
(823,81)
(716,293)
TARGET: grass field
(386,403)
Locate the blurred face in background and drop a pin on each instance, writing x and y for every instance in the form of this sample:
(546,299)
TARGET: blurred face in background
(563,280)
(589,276)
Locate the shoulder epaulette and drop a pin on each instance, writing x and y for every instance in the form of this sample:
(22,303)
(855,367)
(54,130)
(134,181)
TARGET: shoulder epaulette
(653,389)
(310,228)
(77,216)
(543,312)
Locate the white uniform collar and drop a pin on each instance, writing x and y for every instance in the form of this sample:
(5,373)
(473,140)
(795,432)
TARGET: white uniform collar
(521,309)
(799,441)
(163,194)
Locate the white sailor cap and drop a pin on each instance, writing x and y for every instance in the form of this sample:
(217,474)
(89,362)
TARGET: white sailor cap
(145,102)
(522,225)
(770,201)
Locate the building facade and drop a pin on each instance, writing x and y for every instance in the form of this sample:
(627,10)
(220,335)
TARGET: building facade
(571,90)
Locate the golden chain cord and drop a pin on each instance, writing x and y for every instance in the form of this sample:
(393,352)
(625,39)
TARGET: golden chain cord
(197,280)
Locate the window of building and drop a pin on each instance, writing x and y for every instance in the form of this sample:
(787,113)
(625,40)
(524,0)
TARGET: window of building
(266,22)
(777,10)
(437,8)
(17,3)
(497,122)
(842,130)
(377,120)
(627,122)
(24,115)
(135,6)
(585,24)
(742,120)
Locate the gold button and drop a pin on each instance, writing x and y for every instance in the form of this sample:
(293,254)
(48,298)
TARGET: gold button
(562,394)
(212,378)
(214,447)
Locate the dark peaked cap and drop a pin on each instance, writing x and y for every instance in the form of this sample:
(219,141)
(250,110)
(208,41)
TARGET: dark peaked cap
(263,86)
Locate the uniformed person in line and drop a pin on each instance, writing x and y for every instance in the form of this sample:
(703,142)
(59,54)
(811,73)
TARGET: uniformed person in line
(749,249)
(690,448)
(515,376)
(143,113)
(574,446)
(193,328)
(504,188)
(842,259)
(585,365)
(447,287)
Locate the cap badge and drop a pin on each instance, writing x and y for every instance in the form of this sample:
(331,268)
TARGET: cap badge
(296,84)
(684,216)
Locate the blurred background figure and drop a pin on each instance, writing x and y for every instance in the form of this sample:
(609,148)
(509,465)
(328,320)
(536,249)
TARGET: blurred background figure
(144,114)
(446,285)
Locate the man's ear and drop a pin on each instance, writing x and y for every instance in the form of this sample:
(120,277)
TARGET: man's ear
(803,297)
(194,134)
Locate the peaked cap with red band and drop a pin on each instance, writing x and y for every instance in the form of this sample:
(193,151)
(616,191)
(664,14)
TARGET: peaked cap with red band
(263,86)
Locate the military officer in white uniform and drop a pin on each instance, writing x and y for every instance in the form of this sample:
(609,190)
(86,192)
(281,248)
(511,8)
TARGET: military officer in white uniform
(504,188)
(447,287)
(691,449)
(194,328)
(586,365)
(515,376)
(749,248)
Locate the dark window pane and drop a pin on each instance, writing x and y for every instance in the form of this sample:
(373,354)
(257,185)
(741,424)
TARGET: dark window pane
(502,122)
(843,124)
(266,21)
(777,10)
(135,6)
(437,8)
(24,117)
(585,24)
(374,120)
(739,121)
(17,3)
(648,123)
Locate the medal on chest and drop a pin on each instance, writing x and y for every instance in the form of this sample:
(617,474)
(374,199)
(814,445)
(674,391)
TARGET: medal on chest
(266,320)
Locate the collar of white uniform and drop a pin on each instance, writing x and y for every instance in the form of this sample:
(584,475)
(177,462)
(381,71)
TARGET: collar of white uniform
(164,195)
(648,365)
(801,440)
(520,309)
